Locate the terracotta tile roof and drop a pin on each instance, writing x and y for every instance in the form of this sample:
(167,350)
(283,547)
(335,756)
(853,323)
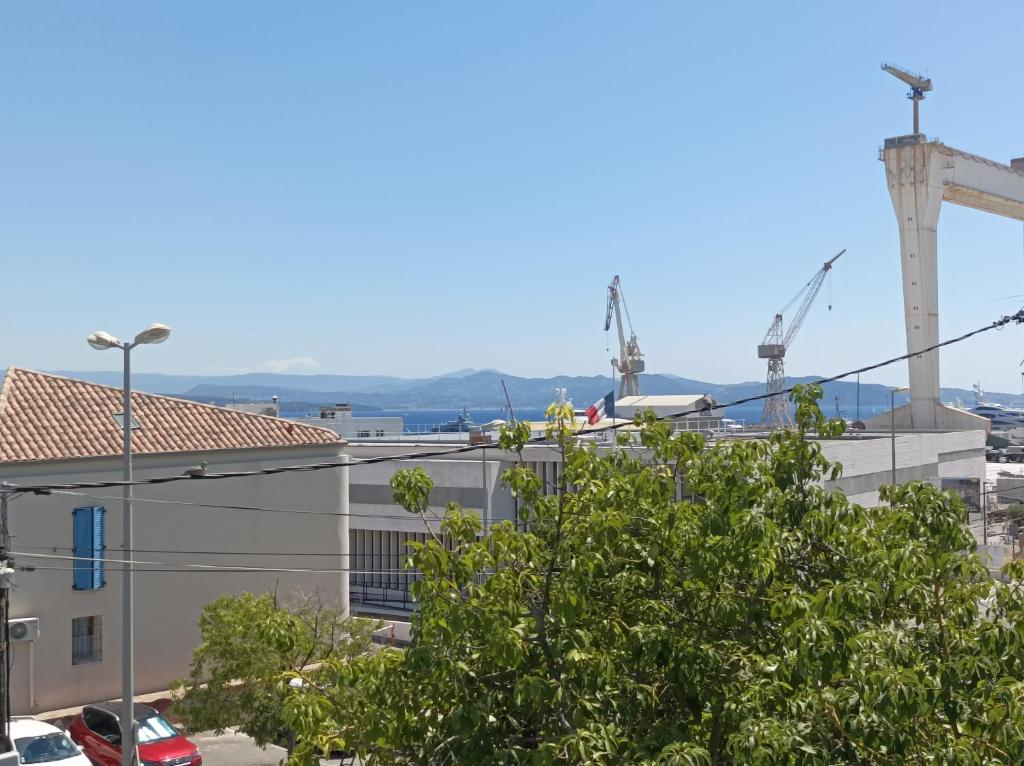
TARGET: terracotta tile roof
(49,417)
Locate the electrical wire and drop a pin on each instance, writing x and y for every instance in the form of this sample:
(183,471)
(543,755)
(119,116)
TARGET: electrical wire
(179,552)
(198,567)
(1018,317)
(253,570)
(229,507)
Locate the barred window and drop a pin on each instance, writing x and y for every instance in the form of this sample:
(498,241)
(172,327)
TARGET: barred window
(86,640)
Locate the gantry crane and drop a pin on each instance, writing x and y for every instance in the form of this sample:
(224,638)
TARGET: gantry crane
(776,410)
(630,361)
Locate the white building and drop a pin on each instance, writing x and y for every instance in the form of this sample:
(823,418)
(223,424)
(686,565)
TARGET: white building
(55,430)
(270,409)
(700,411)
(339,418)
(380,529)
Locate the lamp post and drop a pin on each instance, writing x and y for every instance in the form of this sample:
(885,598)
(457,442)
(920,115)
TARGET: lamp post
(892,425)
(155,333)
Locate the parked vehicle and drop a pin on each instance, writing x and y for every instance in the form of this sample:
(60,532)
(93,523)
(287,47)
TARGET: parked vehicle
(1014,454)
(39,742)
(98,731)
(994,455)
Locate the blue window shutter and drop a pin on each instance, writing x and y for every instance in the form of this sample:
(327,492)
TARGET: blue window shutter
(99,547)
(90,544)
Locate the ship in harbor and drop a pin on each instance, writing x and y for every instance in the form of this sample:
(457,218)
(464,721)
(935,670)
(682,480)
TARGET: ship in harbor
(1003,418)
(462,424)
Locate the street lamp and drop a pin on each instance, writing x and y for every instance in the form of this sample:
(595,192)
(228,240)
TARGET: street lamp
(101,341)
(892,425)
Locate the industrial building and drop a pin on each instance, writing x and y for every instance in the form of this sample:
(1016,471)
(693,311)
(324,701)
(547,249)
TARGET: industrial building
(379,530)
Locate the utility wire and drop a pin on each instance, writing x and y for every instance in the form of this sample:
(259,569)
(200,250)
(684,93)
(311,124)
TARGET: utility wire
(200,567)
(177,552)
(247,570)
(1017,317)
(228,507)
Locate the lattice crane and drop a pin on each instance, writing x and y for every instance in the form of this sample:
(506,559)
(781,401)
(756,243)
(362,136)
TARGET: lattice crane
(776,409)
(630,361)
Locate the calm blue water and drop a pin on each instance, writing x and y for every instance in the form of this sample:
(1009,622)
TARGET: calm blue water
(418,421)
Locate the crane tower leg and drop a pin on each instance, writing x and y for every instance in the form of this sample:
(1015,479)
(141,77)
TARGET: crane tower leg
(776,412)
(630,386)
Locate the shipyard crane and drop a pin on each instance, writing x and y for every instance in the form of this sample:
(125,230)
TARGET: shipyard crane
(918,87)
(776,410)
(630,361)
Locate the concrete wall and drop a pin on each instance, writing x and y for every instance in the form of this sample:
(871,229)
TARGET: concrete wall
(167,605)
(473,484)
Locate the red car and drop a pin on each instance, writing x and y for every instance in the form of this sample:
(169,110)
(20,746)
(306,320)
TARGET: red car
(98,731)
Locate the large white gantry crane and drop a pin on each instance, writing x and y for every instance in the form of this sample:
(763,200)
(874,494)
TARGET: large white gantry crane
(630,361)
(776,409)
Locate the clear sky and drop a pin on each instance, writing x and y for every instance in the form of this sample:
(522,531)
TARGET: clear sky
(411,188)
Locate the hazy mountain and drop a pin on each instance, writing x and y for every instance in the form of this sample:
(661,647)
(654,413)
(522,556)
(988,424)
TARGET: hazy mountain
(475,389)
(262,381)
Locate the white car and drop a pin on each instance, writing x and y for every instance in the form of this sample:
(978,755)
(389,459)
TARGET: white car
(38,742)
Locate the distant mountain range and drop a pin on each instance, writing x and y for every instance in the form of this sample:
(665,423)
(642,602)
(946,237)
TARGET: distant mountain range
(471,388)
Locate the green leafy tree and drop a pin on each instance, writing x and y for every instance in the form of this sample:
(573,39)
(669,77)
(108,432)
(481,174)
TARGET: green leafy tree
(760,620)
(249,645)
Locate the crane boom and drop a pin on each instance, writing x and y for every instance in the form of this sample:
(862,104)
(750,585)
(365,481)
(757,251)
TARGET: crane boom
(813,288)
(776,343)
(630,360)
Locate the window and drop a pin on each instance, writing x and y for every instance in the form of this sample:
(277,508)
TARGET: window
(43,748)
(90,547)
(380,432)
(362,434)
(86,640)
(155,728)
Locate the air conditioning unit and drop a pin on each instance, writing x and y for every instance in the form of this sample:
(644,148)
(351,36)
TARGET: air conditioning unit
(25,629)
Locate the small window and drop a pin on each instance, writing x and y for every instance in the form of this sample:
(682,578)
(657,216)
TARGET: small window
(362,434)
(90,548)
(380,432)
(86,640)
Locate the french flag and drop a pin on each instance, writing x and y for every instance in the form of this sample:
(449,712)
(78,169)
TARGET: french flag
(601,409)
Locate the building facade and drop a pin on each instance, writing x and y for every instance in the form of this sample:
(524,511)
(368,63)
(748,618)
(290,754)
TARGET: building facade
(380,530)
(195,539)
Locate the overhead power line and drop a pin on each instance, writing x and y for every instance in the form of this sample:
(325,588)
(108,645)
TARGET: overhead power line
(242,570)
(1017,317)
(204,567)
(179,552)
(253,508)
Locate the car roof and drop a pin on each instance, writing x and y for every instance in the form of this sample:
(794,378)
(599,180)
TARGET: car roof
(30,727)
(114,709)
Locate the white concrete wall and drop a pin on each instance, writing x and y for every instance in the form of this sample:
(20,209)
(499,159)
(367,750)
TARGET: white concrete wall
(167,605)
(473,484)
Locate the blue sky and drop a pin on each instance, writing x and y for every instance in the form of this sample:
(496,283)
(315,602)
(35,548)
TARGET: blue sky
(411,188)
